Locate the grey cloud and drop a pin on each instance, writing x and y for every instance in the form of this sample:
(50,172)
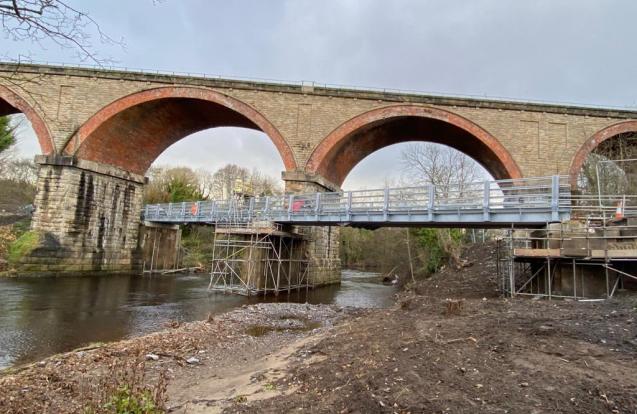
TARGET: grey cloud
(555,50)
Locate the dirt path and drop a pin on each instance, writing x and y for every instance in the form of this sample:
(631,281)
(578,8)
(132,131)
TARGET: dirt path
(253,379)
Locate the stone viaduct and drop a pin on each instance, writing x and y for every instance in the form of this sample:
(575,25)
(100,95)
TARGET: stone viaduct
(100,130)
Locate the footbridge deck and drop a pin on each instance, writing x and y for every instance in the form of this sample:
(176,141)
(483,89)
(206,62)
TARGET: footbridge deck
(503,203)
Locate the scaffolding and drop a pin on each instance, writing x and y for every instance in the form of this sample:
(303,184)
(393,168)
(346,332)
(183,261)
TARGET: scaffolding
(589,260)
(258,259)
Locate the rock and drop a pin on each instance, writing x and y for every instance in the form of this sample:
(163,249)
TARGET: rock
(192,360)
(152,357)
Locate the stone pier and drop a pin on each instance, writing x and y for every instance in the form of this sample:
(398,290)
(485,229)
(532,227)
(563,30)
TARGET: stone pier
(324,242)
(86,218)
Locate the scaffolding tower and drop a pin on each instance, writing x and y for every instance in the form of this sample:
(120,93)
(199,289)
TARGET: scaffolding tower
(258,258)
(569,260)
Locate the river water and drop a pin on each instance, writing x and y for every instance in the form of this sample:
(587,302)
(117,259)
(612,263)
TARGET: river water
(43,316)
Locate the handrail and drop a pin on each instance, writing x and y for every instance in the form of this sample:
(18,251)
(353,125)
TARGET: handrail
(535,199)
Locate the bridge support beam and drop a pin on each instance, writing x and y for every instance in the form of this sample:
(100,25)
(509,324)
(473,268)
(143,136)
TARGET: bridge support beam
(86,218)
(323,248)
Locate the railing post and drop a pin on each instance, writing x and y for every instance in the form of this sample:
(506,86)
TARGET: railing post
(555,197)
(266,208)
(198,210)
(317,205)
(146,212)
(170,210)
(385,203)
(183,211)
(348,208)
(485,201)
(250,208)
(290,202)
(430,202)
(212,210)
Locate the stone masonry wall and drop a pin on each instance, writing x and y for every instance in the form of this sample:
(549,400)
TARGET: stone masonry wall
(88,217)
(541,138)
(324,242)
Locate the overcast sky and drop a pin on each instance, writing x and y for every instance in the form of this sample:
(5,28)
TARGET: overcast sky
(579,51)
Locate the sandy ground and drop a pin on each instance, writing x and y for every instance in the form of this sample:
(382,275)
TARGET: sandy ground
(482,354)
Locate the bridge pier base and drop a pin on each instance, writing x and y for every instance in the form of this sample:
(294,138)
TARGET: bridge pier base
(86,219)
(323,246)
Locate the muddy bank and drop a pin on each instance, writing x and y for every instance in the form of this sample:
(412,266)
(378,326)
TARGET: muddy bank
(453,345)
(221,353)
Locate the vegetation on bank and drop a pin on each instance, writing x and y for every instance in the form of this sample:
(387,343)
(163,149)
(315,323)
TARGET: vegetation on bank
(393,250)
(126,391)
(14,243)
(22,246)
(196,246)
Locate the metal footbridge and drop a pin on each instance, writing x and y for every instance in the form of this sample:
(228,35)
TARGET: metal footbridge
(502,203)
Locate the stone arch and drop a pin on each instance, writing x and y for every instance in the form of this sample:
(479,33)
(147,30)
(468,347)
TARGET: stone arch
(358,137)
(600,136)
(12,103)
(133,131)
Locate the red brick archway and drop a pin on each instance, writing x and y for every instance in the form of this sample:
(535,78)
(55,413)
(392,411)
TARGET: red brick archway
(11,103)
(353,140)
(600,136)
(133,131)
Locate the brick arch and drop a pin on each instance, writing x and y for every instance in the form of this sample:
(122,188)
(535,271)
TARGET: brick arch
(12,103)
(358,137)
(133,131)
(600,136)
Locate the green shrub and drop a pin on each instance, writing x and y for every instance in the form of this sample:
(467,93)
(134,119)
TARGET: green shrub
(441,246)
(124,401)
(22,246)
(125,390)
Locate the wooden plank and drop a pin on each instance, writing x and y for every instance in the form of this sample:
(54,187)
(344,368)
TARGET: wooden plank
(537,252)
(614,253)
(258,231)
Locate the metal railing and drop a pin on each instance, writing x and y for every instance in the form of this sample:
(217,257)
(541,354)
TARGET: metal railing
(536,200)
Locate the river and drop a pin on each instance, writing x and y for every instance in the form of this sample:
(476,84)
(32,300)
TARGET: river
(44,316)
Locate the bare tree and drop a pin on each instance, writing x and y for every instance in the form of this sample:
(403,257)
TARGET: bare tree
(451,172)
(444,167)
(54,20)
(232,180)
(227,182)
(611,168)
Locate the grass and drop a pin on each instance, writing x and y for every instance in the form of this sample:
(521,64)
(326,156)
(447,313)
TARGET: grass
(22,246)
(269,386)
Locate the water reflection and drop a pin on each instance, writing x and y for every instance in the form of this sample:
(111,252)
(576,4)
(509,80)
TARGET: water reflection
(43,316)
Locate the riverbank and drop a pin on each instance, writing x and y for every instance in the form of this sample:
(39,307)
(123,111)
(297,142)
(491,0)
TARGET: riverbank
(450,344)
(40,317)
(215,360)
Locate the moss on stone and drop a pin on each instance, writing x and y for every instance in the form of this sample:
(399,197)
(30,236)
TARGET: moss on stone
(22,246)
